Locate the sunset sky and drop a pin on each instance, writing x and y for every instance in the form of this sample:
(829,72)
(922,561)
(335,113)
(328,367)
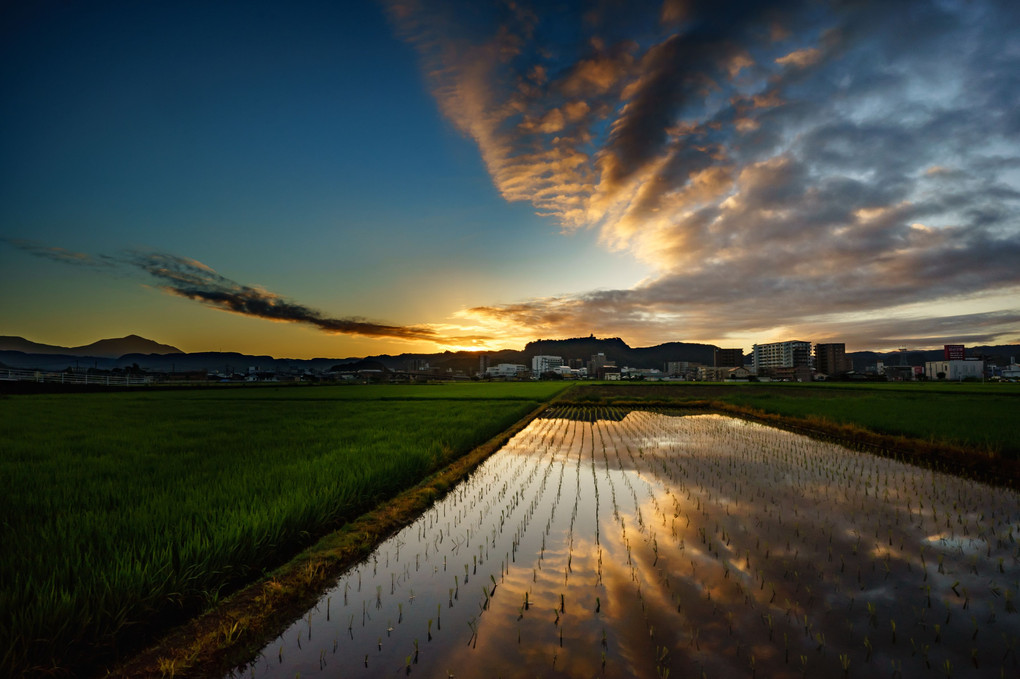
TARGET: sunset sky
(341,179)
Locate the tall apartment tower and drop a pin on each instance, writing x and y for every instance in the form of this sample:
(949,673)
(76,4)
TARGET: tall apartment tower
(831,359)
(728,358)
(782,358)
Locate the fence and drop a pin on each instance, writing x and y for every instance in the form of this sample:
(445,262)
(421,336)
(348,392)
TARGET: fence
(12,375)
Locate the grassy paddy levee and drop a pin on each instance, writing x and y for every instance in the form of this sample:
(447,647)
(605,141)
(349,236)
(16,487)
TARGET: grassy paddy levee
(977,416)
(125,512)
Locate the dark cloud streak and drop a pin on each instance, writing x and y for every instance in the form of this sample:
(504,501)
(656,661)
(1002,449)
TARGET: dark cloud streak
(194,280)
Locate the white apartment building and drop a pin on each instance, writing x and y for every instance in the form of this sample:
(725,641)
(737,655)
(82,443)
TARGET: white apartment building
(544,364)
(780,355)
(506,370)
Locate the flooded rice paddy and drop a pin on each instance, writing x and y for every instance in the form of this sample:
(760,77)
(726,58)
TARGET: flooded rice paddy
(653,545)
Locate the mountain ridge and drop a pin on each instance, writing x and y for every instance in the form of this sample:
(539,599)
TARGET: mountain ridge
(105,348)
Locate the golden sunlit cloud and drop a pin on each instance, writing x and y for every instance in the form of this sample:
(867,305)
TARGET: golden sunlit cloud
(801,58)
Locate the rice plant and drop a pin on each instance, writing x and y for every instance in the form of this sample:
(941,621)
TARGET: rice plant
(129,510)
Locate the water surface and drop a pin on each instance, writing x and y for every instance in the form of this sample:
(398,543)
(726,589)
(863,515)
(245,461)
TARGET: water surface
(689,545)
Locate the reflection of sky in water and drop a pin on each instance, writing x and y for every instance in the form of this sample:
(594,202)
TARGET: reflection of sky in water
(694,543)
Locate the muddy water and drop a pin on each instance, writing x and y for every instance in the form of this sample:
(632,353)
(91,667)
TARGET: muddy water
(694,545)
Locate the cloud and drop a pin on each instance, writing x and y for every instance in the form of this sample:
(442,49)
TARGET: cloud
(801,58)
(60,254)
(772,163)
(194,280)
(890,333)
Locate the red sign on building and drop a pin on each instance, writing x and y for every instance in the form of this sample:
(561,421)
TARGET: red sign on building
(953,352)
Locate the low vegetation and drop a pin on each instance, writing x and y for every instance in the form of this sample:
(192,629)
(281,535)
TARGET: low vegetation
(127,508)
(978,416)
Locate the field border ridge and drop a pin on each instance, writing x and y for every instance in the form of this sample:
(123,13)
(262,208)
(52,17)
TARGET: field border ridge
(235,629)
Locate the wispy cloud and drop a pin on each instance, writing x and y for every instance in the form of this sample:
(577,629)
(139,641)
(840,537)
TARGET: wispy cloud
(772,163)
(60,254)
(194,280)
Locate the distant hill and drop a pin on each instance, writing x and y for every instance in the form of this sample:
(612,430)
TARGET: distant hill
(582,348)
(105,348)
(619,351)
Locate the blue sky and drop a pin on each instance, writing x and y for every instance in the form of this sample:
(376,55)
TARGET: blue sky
(338,179)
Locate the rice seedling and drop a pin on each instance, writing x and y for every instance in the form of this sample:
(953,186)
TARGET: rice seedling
(169,500)
(741,549)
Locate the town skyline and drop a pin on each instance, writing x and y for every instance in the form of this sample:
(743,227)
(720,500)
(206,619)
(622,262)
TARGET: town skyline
(400,177)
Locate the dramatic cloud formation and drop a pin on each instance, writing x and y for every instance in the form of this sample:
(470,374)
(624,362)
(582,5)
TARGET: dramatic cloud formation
(194,280)
(776,164)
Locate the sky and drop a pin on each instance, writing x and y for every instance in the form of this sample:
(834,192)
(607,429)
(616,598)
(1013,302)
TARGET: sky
(321,179)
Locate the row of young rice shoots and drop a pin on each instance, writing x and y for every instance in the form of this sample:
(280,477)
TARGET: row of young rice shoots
(124,509)
(650,545)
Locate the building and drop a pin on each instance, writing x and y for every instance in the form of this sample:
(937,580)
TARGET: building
(483,364)
(568,373)
(831,359)
(954,371)
(732,358)
(791,373)
(417,364)
(899,373)
(653,374)
(598,364)
(721,373)
(545,364)
(953,352)
(506,370)
(685,369)
(767,359)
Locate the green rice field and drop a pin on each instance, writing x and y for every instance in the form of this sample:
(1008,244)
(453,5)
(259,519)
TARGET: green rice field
(981,416)
(121,509)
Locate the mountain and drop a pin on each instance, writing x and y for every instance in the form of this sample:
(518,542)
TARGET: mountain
(582,348)
(619,351)
(105,348)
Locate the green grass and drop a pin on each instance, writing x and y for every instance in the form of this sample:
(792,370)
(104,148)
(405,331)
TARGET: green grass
(385,392)
(978,415)
(121,509)
(966,419)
